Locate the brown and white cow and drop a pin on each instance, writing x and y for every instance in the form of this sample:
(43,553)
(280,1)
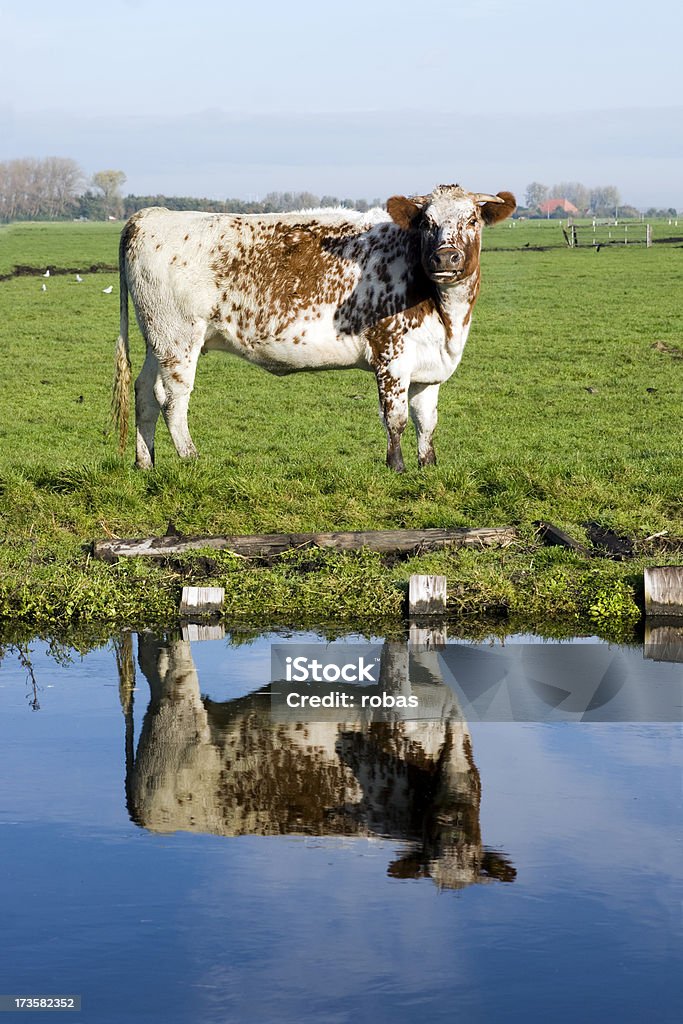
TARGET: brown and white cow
(387,291)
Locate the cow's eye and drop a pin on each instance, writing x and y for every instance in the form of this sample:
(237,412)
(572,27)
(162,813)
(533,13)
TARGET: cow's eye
(472,222)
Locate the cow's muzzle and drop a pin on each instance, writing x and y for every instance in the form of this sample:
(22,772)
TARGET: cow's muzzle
(445,263)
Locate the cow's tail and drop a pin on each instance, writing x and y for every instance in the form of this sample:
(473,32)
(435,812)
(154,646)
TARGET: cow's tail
(120,396)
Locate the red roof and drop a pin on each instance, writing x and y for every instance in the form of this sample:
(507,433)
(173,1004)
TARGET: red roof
(553,204)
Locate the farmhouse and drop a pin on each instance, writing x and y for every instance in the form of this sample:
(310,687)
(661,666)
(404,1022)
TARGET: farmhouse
(550,205)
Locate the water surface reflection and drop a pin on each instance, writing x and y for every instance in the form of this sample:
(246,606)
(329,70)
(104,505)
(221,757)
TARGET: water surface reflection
(227,768)
(277,869)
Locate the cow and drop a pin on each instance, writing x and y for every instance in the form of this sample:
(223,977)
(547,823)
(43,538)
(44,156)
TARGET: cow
(389,291)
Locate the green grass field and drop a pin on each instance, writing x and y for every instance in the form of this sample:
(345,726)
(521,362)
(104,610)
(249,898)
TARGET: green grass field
(520,438)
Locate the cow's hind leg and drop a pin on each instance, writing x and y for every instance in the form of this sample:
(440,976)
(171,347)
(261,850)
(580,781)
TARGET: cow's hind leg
(423,399)
(149,398)
(177,377)
(393,411)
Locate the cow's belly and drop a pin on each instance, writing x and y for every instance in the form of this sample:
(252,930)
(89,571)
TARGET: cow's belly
(298,348)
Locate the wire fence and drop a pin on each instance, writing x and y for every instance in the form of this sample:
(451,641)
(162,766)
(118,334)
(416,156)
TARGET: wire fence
(540,235)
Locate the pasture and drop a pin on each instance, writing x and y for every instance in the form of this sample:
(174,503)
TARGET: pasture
(566,408)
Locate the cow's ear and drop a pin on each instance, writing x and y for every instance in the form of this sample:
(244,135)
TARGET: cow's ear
(404,211)
(494,212)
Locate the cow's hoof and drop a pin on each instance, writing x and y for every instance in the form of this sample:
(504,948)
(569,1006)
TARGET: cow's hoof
(427,460)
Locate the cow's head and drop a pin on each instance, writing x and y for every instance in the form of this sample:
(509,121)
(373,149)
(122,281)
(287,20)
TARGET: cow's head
(449,222)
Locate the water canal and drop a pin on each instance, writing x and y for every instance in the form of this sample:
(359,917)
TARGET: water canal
(180,844)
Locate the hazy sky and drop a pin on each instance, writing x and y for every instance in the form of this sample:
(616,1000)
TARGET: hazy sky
(360,99)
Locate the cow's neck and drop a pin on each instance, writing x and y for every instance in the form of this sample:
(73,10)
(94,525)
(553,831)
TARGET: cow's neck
(455,305)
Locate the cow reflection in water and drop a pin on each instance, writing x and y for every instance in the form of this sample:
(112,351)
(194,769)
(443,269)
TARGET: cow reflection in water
(229,768)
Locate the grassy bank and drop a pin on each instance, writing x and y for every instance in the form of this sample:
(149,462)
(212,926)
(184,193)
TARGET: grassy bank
(566,408)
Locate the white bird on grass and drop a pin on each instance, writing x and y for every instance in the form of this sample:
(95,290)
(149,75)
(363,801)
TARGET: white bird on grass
(79,278)
(47,273)
(43,287)
(109,290)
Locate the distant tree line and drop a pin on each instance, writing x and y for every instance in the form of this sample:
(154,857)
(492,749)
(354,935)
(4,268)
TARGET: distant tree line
(654,212)
(273,202)
(39,189)
(598,201)
(55,188)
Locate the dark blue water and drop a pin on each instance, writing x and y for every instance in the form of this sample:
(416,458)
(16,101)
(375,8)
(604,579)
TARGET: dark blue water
(179,857)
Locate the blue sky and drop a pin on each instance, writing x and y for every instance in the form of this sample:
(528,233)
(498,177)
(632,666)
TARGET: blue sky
(360,99)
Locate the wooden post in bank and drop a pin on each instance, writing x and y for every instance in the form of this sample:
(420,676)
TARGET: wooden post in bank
(427,597)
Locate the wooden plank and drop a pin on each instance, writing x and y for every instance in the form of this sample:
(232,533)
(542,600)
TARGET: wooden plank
(553,536)
(664,590)
(201,600)
(427,595)
(611,543)
(268,544)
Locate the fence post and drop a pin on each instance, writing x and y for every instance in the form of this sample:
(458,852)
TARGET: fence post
(426,595)
(648,235)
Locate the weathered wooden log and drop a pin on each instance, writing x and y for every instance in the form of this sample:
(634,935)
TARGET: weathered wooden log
(664,590)
(265,544)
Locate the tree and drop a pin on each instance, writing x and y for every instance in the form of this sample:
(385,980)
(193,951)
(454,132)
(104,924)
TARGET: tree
(33,189)
(574,191)
(536,193)
(62,181)
(605,200)
(109,183)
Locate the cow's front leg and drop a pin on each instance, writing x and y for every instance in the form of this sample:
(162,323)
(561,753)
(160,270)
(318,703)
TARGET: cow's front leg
(423,399)
(393,411)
